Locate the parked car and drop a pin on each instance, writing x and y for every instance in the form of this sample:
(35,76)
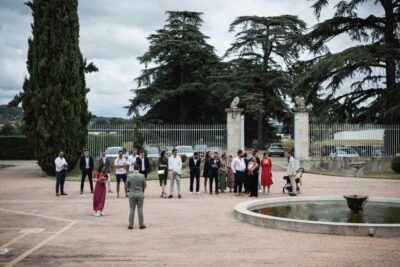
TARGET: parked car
(166,148)
(276,149)
(344,152)
(326,150)
(215,149)
(152,152)
(201,149)
(112,152)
(185,150)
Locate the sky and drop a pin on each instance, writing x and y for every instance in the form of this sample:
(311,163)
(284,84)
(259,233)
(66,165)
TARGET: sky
(113,34)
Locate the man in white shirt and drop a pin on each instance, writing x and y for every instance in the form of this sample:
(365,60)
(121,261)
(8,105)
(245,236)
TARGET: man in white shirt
(132,160)
(291,172)
(175,169)
(238,167)
(61,169)
(120,165)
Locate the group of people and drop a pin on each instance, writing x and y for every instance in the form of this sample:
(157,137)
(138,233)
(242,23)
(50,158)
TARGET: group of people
(241,175)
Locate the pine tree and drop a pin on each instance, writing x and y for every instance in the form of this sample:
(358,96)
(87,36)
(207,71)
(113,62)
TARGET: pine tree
(54,95)
(179,83)
(259,46)
(372,62)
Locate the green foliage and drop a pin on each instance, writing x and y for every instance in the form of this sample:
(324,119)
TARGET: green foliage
(372,63)
(10,113)
(177,88)
(15,148)
(264,47)
(138,141)
(54,95)
(395,165)
(7,129)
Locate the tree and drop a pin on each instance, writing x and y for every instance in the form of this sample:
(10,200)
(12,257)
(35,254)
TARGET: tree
(178,84)
(7,129)
(260,44)
(373,63)
(54,95)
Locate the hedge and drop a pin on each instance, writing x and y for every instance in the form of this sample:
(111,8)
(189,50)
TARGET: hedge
(15,147)
(396,164)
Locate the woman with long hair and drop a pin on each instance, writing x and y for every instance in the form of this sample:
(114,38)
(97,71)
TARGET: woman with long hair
(163,172)
(99,196)
(206,169)
(266,173)
(230,175)
(252,168)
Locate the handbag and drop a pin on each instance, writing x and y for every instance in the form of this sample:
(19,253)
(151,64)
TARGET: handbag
(161,172)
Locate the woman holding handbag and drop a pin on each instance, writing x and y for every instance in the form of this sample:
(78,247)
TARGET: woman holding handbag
(163,172)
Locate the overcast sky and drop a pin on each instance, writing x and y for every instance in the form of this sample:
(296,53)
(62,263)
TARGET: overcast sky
(113,34)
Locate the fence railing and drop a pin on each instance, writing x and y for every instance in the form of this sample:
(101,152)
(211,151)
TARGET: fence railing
(102,136)
(354,140)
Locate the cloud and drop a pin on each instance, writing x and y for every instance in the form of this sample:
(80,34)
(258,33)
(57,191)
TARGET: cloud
(113,34)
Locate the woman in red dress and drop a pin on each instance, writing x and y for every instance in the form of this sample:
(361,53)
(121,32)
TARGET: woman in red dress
(266,174)
(99,196)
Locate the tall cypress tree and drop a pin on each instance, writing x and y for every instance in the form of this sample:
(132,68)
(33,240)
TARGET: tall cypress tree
(54,95)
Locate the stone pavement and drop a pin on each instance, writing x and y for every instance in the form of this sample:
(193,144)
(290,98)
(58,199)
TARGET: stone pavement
(39,229)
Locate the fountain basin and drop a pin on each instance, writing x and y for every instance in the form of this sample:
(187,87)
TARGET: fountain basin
(322,217)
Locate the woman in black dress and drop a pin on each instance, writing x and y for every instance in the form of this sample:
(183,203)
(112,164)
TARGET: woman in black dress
(253,177)
(206,169)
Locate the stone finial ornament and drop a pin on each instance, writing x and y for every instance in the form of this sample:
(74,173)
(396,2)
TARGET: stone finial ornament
(235,103)
(300,105)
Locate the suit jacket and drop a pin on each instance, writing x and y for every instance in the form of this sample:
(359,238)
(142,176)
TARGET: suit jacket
(194,168)
(82,163)
(107,163)
(136,183)
(212,170)
(146,164)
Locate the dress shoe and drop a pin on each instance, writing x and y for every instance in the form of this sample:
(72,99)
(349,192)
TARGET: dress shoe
(130,227)
(81,192)
(142,227)
(57,194)
(170,196)
(64,194)
(179,196)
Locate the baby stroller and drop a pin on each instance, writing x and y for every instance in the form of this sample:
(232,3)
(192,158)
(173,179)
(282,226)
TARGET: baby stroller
(288,185)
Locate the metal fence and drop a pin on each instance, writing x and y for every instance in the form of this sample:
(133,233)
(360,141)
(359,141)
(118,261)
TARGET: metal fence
(354,140)
(102,136)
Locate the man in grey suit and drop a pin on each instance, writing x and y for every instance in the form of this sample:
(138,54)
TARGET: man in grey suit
(106,161)
(136,183)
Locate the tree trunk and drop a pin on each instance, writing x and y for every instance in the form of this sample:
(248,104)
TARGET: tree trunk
(390,39)
(260,131)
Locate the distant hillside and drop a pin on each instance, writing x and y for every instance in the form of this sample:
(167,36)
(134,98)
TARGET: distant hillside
(8,114)
(108,120)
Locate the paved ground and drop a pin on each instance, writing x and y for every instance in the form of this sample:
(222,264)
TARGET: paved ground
(39,229)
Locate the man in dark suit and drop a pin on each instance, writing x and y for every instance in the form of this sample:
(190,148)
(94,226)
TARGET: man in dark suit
(143,163)
(86,165)
(215,164)
(106,161)
(194,166)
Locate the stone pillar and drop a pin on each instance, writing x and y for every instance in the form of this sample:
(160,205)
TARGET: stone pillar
(233,127)
(301,137)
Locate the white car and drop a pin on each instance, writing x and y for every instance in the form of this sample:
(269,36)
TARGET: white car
(112,152)
(152,152)
(344,152)
(185,150)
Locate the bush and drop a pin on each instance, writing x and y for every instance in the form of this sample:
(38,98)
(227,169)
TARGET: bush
(16,147)
(396,164)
